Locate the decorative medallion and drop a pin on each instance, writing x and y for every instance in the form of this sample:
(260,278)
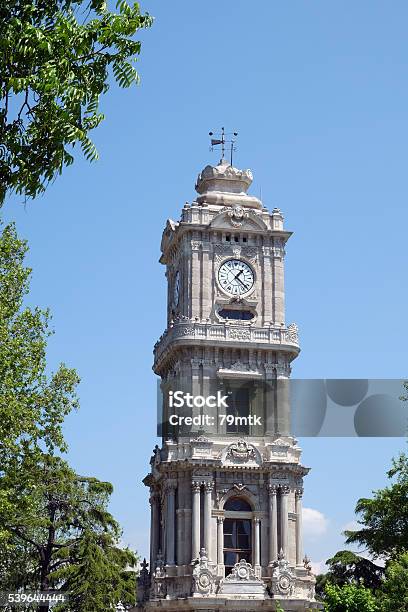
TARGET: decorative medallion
(242,581)
(241,451)
(282,577)
(203,577)
(237,216)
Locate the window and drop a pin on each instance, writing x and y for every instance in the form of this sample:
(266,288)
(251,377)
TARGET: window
(240,315)
(237,542)
(238,406)
(237,504)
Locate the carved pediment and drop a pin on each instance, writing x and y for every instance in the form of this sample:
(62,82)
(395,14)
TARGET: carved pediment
(240,452)
(238,217)
(168,234)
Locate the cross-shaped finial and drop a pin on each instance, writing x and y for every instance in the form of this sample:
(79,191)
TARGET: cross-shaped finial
(221,140)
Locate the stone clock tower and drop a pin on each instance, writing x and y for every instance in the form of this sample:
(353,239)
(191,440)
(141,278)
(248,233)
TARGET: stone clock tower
(226,483)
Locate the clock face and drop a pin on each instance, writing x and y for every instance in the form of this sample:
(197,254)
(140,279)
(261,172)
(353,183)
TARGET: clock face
(236,277)
(176,289)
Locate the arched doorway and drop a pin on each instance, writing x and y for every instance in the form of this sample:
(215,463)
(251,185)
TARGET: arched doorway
(237,532)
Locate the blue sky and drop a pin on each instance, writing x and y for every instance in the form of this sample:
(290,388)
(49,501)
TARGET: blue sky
(318,92)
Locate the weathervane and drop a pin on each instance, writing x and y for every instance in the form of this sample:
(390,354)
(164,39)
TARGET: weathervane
(220,139)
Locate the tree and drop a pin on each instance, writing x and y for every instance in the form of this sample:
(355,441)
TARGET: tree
(69,537)
(54,66)
(33,404)
(385,516)
(395,588)
(346,567)
(55,528)
(99,578)
(349,598)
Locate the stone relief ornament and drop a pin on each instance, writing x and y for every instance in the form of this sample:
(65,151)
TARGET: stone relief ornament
(242,451)
(239,334)
(282,578)
(293,333)
(203,577)
(183,331)
(307,564)
(159,578)
(237,216)
(241,571)
(242,581)
(238,366)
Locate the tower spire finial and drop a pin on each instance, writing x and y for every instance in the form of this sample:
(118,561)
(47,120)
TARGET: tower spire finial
(220,139)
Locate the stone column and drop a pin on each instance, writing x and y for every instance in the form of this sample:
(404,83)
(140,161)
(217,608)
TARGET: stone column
(220,540)
(257,543)
(206,276)
(284,520)
(273,524)
(299,542)
(208,487)
(170,521)
(268,287)
(195,540)
(154,528)
(170,525)
(283,400)
(195,278)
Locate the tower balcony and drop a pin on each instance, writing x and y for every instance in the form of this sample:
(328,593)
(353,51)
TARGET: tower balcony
(187,332)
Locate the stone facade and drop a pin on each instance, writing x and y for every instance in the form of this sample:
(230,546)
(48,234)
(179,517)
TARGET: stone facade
(249,478)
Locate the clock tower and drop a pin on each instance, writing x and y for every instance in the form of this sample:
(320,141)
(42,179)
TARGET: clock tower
(226,482)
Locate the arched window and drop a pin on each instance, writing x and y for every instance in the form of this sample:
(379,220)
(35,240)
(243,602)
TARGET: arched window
(237,532)
(237,504)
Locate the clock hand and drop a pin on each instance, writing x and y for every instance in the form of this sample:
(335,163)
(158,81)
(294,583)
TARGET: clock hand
(240,281)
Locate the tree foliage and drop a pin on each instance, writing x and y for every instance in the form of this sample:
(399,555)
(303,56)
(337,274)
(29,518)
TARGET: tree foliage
(55,528)
(395,589)
(346,567)
(69,538)
(349,598)
(384,518)
(33,404)
(55,58)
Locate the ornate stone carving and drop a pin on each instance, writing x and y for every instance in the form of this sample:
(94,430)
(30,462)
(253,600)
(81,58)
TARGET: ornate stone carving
(159,590)
(208,486)
(203,577)
(239,486)
(307,564)
(196,486)
(183,331)
(282,578)
(242,451)
(238,366)
(242,581)
(219,493)
(239,334)
(237,216)
(293,333)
